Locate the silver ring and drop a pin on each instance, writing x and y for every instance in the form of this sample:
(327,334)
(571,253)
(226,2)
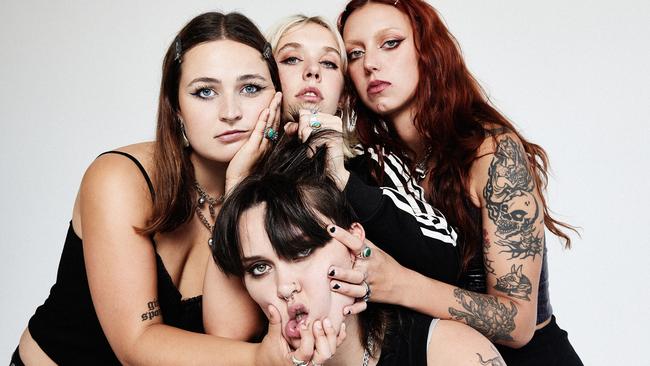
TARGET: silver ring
(368,293)
(298,362)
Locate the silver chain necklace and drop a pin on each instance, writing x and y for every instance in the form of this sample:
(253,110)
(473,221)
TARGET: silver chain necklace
(366,353)
(212,202)
(421,168)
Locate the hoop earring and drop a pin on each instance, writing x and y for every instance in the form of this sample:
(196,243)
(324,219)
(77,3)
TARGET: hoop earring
(184,140)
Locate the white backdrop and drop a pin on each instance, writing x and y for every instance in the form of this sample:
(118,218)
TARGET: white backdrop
(78,78)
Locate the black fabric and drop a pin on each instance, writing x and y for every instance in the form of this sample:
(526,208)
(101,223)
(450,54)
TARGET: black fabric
(66,325)
(406,342)
(15,359)
(549,347)
(400,231)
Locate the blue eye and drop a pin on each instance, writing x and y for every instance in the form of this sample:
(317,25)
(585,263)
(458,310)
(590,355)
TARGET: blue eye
(303,253)
(392,43)
(330,65)
(251,89)
(258,269)
(290,60)
(355,54)
(204,93)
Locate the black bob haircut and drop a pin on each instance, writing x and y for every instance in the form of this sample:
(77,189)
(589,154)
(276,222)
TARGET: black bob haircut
(293,182)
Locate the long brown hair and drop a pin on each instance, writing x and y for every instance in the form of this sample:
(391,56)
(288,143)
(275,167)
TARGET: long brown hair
(453,117)
(173,176)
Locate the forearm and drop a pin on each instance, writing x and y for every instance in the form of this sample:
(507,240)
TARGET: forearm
(501,319)
(161,344)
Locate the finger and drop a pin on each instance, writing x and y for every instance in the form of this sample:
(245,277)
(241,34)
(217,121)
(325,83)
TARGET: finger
(275,320)
(273,110)
(355,308)
(353,276)
(322,352)
(352,242)
(304,129)
(330,333)
(306,349)
(348,289)
(260,128)
(291,128)
(275,121)
(342,334)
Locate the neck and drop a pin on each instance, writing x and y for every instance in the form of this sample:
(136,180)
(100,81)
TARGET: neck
(211,175)
(350,352)
(402,121)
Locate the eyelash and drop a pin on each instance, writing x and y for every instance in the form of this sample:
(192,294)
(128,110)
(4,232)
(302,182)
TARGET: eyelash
(292,60)
(359,53)
(198,92)
(254,267)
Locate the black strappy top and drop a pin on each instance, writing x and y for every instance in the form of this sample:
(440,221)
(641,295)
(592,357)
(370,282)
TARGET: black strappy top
(66,325)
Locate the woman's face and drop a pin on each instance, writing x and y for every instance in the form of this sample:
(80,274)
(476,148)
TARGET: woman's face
(383,61)
(309,62)
(299,288)
(223,88)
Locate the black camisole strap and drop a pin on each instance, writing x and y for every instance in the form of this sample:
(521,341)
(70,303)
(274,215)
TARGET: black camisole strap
(138,164)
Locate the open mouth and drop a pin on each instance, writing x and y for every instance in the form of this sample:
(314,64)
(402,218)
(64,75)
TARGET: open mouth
(298,315)
(310,94)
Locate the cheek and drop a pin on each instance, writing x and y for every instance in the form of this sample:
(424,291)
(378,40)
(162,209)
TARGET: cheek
(252,107)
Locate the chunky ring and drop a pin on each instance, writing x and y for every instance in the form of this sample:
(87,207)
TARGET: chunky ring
(298,362)
(271,134)
(314,122)
(368,293)
(365,252)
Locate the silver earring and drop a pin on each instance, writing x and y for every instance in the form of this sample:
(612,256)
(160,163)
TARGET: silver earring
(184,140)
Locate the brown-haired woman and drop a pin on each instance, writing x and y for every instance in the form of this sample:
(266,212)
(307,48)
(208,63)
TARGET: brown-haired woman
(129,292)
(431,139)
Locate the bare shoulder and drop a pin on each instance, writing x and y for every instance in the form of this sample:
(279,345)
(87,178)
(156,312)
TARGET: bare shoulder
(454,343)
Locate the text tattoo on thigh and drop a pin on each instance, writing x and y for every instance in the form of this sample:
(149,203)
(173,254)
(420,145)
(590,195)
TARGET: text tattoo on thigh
(494,361)
(153,310)
(486,314)
(511,203)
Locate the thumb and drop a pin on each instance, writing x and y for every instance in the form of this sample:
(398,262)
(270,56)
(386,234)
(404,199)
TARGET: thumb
(275,321)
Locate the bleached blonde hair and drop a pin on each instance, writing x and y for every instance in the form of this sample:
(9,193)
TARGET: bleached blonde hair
(291,22)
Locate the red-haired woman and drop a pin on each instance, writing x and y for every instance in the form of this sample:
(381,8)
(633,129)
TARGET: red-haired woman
(431,139)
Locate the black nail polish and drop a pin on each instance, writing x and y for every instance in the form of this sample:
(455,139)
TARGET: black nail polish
(336,286)
(331,273)
(332,229)
(349,312)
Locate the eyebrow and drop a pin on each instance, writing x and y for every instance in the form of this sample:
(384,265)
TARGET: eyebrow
(380,32)
(246,261)
(298,45)
(218,81)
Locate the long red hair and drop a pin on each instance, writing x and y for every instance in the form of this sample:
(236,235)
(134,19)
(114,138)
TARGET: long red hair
(453,117)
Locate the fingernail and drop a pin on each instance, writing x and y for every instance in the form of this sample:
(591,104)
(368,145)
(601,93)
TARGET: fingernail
(332,273)
(349,311)
(336,286)
(303,326)
(318,325)
(343,326)
(327,323)
(332,229)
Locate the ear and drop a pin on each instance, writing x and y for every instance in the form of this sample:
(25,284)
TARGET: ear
(357,230)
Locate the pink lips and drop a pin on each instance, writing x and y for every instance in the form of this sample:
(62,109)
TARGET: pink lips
(231,135)
(297,316)
(310,94)
(377,86)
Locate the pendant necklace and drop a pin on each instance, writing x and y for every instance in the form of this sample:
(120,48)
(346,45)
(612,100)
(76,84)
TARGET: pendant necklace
(212,202)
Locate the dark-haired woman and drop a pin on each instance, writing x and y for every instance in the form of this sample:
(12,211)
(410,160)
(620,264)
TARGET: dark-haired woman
(272,234)
(431,139)
(130,278)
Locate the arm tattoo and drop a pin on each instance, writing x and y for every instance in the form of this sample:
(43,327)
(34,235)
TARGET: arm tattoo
(487,263)
(486,314)
(152,312)
(515,283)
(510,201)
(494,361)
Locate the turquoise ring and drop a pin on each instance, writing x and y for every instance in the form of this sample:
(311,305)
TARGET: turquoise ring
(271,134)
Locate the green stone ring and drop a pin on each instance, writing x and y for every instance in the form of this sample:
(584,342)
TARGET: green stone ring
(365,252)
(271,134)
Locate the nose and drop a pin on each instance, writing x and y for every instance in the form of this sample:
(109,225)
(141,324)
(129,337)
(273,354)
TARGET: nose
(286,289)
(312,71)
(370,62)
(230,110)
